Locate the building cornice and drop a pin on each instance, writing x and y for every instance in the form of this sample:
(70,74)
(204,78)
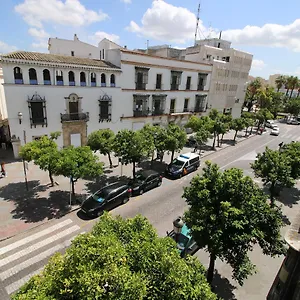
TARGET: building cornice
(55,65)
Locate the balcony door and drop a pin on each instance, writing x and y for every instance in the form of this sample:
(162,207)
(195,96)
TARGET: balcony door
(74,110)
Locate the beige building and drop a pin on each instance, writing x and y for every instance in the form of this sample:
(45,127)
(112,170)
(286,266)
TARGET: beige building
(272,80)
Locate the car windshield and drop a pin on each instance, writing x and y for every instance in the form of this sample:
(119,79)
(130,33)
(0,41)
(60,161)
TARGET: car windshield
(177,163)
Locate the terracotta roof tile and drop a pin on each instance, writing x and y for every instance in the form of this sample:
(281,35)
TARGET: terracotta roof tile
(53,58)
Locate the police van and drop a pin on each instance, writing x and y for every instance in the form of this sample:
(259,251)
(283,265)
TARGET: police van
(183,164)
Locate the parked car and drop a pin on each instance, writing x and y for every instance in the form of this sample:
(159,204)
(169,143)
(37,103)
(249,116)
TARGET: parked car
(293,121)
(145,180)
(183,164)
(269,123)
(275,131)
(106,199)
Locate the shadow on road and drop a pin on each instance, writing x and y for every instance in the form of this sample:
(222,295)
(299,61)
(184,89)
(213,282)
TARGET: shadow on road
(289,196)
(223,288)
(156,165)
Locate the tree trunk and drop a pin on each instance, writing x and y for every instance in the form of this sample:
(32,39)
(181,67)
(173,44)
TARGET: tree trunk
(161,156)
(199,147)
(51,177)
(133,169)
(235,135)
(109,158)
(278,89)
(152,158)
(272,194)
(172,156)
(298,94)
(287,92)
(291,93)
(73,186)
(218,139)
(211,268)
(251,130)
(214,141)
(246,131)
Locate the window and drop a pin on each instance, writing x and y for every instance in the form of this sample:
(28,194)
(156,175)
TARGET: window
(186,105)
(32,76)
(140,105)
(105,108)
(112,80)
(158,81)
(188,83)
(72,53)
(158,104)
(93,79)
(175,80)
(71,78)
(103,79)
(201,81)
(82,79)
(46,77)
(141,78)
(37,110)
(59,77)
(103,54)
(172,106)
(200,104)
(18,75)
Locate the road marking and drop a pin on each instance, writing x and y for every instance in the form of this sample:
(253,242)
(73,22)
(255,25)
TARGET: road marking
(36,246)
(34,236)
(17,284)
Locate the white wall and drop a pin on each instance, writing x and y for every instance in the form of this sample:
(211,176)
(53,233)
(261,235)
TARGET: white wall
(3,109)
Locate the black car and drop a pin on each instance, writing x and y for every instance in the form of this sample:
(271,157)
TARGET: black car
(145,180)
(106,198)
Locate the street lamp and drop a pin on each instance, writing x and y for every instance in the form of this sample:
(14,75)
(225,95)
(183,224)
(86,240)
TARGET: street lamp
(177,227)
(20,117)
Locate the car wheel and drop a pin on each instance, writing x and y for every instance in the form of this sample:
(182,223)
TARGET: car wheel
(125,200)
(159,183)
(99,213)
(141,191)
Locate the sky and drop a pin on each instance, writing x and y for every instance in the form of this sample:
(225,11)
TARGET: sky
(265,28)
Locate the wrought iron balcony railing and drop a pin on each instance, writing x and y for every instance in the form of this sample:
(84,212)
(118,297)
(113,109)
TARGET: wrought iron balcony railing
(74,117)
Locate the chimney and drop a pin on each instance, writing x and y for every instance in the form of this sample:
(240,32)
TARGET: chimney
(220,35)
(125,47)
(75,37)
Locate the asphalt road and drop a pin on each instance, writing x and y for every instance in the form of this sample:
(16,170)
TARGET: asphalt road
(26,254)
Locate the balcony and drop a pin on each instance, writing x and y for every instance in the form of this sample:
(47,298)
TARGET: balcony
(187,110)
(174,87)
(74,117)
(158,112)
(140,86)
(199,109)
(200,87)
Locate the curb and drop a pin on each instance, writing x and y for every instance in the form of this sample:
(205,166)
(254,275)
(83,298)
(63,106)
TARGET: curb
(77,208)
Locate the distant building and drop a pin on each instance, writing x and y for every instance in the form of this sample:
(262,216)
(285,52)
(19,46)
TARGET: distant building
(272,80)
(286,285)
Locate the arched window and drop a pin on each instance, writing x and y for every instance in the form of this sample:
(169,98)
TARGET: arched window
(32,76)
(18,75)
(46,77)
(71,78)
(59,77)
(82,79)
(93,79)
(103,80)
(112,80)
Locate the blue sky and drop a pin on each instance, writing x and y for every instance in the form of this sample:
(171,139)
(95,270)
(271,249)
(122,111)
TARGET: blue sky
(268,30)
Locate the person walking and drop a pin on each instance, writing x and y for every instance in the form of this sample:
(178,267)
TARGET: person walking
(3,172)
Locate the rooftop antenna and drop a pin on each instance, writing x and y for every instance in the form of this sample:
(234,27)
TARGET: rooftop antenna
(220,35)
(197,24)
(209,31)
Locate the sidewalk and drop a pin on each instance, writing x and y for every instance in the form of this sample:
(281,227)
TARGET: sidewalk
(21,210)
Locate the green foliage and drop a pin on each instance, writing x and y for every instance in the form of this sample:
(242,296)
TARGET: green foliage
(237,125)
(292,153)
(44,153)
(228,214)
(262,116)
(119,260)
(175,138)
(78,162)
(202,136)
(252,93)
(280,82)
(130,146)
(275,170)
(293,107)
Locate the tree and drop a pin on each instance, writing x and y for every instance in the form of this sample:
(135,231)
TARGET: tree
(293,107)
(131,147)
(248,120)
(280,82)
(224,126)
(293,81)
(237,125)
(44,153)
(175,139)
(216,127)
(275,170)
(118,260)
(292,152)
(262,116)
(252,92)
(228,214)
(201,137)
(78,162)
(276,104)
(102,140)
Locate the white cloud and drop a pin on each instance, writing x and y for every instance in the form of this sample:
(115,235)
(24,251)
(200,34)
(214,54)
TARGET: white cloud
(269,35)
(258,64)
(68,12)
(43,44)
(126,1)
(38,33)
(100,35)
(4,48)
(166,22)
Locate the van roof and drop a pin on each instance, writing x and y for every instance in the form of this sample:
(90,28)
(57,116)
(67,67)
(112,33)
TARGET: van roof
(187,156)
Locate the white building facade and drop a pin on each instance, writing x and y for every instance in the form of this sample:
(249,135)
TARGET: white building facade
(77,95)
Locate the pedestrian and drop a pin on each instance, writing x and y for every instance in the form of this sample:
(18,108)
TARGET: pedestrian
(3,172)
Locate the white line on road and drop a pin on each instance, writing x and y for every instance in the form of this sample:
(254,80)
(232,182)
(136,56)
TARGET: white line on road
(34,236)
(17,284)
(36,246)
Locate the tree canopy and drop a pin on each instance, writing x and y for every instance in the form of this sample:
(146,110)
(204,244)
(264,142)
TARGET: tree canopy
(102,140)
(237,125)
(228,214)
(119,260)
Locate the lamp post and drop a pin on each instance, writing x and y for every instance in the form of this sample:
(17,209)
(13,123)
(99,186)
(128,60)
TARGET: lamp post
(177,227)
(20,117)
